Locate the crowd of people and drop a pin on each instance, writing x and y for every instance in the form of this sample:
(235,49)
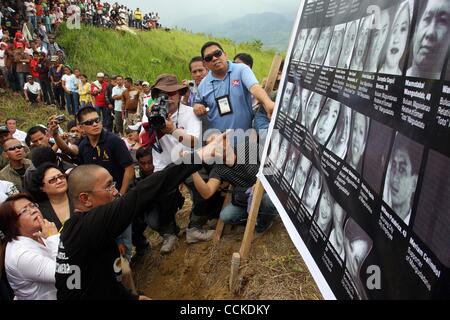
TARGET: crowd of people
(78,193)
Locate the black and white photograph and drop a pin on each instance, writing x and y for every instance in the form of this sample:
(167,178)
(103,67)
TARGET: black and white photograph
(282,154)
(322,45)
(326,121)
(324,213)
(401,176)
(348,45)
(296,102)
(357,245)
(301,174)
(301,40)
(335,46)
(431,40)
(377,154)
(380,31)
(312,190)
(289,170)
(339,140)
(393,55)
(275,143)
(360,50)
(313,107)
(432,220)
(358,140)
(310,44)
(288,91)
(305,96)
(337,232)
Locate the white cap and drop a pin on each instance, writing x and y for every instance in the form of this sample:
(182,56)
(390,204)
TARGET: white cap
(100,75)
(145,83)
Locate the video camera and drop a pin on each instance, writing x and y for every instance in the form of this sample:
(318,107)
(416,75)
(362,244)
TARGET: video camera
(158,115)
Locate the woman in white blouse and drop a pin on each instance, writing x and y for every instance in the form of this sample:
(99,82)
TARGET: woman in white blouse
(31,249)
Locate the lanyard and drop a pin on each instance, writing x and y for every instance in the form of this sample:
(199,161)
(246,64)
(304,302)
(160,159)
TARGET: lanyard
(229,86)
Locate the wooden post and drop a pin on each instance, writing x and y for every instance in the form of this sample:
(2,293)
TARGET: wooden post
(273,74)
(234,283)
(258,192)
(220,225)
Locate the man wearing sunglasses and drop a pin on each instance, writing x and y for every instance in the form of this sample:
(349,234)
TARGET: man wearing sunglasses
(105,149)
(227,91)
(15,171)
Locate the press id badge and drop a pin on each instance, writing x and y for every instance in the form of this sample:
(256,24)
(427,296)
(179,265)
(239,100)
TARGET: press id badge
(224,105)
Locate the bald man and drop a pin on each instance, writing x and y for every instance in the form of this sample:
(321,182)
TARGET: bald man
(88,261)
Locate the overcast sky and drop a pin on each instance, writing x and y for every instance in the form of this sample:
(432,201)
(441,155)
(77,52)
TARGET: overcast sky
(172,11)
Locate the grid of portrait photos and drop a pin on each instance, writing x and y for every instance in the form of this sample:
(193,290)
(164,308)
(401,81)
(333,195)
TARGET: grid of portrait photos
(359,152)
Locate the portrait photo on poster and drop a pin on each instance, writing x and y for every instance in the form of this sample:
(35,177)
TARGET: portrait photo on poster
(357,246)
(303,103)
(339,140)
(326,121)
(282,155)
(335,46)
(322,45)
(432,220)
(287,94)
(393,55)
(312,190)
(362,40)
(289,170)
(301,175)
(300,44)
(337,232)
(377,154)
(324,211)
(402,175)
(431,40)
(275,143)
(380,31)
(296,102)
(358,140)
(310,44)
(348,45)
(313,108)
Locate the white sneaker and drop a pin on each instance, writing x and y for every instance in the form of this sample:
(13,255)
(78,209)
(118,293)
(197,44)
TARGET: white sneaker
(194,235)
(169,243)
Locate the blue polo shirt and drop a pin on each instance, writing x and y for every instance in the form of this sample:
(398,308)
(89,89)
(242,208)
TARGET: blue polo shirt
(237,83)
(110,153)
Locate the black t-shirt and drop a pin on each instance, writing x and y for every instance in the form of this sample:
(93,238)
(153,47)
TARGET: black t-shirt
(21,171)
(88,260)
(110,153)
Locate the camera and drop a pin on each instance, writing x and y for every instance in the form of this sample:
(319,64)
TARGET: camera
(191,83)
(158,115)
(60,119)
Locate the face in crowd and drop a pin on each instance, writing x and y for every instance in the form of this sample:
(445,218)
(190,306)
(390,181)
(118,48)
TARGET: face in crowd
(146,165)
(91,124)
(215,59)
(54,182)
(40,139)
(14,150)
(432,38)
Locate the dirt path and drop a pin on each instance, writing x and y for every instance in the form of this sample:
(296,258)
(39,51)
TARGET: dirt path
(201,271)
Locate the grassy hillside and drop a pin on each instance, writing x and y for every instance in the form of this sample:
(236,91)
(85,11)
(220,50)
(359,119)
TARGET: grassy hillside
(145,56)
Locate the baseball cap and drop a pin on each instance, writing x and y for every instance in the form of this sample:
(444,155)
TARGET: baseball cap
(145,83)
(29,77)
(100,75)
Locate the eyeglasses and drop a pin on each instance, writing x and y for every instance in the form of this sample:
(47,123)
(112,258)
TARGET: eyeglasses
(28,209)
(91,122)
(56,178)
(217,54)
(110,189)
(15,147)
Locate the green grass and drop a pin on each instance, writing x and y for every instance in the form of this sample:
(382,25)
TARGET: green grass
(145,56)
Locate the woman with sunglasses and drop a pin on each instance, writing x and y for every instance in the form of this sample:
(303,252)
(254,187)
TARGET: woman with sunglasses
(31,248)
(49,186)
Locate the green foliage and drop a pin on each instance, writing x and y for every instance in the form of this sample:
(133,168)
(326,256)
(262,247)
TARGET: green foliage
(145,56)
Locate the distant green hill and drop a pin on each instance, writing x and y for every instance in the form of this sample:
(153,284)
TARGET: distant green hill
(145,56)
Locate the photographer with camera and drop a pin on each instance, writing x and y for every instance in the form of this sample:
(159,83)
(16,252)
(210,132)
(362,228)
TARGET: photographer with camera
(66,142)
(198,72)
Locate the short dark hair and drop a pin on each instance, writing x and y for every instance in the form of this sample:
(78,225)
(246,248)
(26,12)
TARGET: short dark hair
(37,180)
(34,130)
(71,124)
(42,155)
(210,44)
(143,152)
(245,58)
(9,218)
(195,59)
(130,80)
(9,119)
(84,111)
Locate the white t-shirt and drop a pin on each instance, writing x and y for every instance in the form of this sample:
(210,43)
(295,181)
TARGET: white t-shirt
(70,81)
(30,268)
(171,147)
(34,88)
(19,135)
(2,58)
(7,189)
(117,91)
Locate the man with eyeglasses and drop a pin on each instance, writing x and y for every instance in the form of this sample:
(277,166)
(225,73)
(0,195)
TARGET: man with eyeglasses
(227,91)
(88,261)
(105,149)
(15,171)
